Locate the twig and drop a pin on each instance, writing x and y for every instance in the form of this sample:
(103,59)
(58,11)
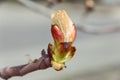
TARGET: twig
(37,8)
(38,64)
(98,29)
(51,3)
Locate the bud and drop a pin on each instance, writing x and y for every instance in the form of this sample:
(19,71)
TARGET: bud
(63,29)
(64,33)
(89,5)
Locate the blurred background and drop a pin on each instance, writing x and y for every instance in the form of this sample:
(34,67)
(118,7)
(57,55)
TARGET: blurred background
(25,29)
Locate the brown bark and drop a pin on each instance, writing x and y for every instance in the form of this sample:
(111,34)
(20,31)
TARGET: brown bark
(43,62)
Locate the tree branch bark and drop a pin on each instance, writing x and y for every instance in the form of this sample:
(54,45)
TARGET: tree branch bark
(43,62)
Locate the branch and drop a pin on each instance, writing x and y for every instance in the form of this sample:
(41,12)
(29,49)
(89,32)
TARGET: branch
(98,29)
(37,7)
(43,62)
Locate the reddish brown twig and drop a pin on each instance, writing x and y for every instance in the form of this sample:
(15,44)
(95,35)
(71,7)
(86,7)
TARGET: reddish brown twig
(38,64)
